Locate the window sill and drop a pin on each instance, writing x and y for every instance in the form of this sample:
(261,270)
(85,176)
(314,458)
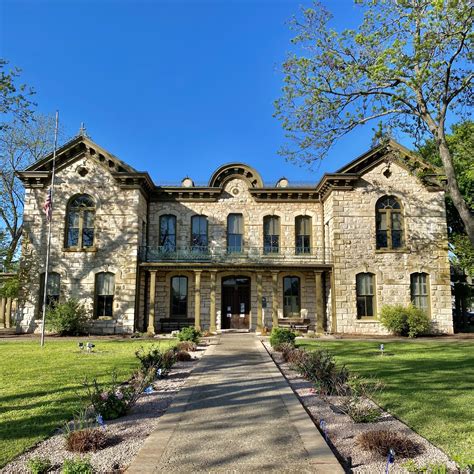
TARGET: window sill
(105,318)
(368,320)
(75,249)
(403,250)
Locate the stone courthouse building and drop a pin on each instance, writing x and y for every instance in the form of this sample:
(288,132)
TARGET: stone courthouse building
(237,254)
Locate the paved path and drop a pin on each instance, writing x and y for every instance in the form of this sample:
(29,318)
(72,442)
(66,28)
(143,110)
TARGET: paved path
(236,413)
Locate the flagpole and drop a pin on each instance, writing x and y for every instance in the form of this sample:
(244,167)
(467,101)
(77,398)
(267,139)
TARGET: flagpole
(50,216)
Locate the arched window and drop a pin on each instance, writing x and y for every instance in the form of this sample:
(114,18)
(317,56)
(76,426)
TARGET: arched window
(235,233)
(291,297)
(419,291)
(365,295)
(303,234)
(389,221)
(199,240)
(179,297)
(271,234)
(80,222)
(168,233)
(104,294)
(53,292)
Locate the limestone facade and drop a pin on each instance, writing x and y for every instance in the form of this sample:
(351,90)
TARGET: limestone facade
(128,243)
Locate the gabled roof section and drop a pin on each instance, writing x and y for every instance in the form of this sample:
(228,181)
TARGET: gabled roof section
(39,173)
(75,149)
(388,151)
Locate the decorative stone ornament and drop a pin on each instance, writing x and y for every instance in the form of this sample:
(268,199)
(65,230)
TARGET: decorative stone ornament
(187,182)
(282,183)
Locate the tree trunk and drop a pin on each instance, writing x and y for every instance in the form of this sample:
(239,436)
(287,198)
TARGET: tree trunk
(453,189)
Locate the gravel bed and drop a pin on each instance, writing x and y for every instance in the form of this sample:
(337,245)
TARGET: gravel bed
(342,431)
(125,435)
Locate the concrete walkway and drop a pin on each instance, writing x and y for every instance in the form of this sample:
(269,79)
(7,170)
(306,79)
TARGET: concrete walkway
(236,413)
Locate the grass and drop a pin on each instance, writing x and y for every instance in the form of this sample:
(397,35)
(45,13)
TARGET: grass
(428,385)
(39,387)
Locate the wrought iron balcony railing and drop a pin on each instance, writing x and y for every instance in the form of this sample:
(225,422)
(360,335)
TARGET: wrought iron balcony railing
(235,254)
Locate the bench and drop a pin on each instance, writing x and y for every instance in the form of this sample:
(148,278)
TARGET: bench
(299,324)
(174,324)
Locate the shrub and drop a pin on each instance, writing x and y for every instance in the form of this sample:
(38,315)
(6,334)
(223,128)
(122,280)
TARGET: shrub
(183,356)
(285,348)
(405,320)
(112,400)
(380,441)
(189,334)
(38,465)
(90,439)
(320,368)
(280,336)
(77,466)
(153,358)
(67,319)
(418,322)
(357,405)
(188,346)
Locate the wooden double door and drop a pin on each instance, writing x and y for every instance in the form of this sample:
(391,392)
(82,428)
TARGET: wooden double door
(235,302)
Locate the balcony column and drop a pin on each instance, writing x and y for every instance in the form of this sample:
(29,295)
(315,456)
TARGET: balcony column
(275,299)
(320,310)
(151,307)
(259,302)
(3,302)
(212,309)
(197,299)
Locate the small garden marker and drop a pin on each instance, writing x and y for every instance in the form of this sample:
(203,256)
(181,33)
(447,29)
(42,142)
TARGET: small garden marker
(322,425)
(148,390)
(390,459)
(381,349)
(100,421)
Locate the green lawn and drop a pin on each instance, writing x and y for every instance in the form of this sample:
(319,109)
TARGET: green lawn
(39,386)
(428,385)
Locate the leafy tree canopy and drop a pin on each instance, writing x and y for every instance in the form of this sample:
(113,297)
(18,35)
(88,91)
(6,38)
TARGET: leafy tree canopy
(407,65)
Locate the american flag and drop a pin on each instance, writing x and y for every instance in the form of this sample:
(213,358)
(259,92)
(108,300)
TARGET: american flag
(48,206)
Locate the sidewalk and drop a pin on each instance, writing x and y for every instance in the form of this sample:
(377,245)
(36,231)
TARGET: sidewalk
(236,413)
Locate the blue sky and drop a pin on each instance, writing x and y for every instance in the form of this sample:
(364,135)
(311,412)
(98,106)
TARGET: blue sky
(174,88)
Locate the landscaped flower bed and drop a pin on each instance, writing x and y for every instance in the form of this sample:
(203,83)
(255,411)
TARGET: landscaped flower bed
(344,435)
(124,435)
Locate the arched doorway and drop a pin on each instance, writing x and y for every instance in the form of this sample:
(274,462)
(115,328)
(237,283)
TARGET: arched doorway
(235,302)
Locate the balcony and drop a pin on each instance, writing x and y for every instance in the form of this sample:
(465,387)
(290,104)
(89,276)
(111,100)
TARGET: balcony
(219,255)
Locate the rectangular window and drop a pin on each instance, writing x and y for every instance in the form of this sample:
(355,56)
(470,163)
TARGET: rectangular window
(168,233)
(73,229)
(303,234)
(105,289)
(179,297)
(53,292)
(419,291)
(382,236)
(397,231)
(235,233)
(271,234)
(365,295)
(199,234)
(291,297)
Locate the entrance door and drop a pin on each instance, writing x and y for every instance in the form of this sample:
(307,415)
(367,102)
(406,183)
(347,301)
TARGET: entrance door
(235,303)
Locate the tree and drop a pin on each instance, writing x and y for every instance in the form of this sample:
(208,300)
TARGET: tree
(20,145)
(461,146)
(15,103)
(407,65)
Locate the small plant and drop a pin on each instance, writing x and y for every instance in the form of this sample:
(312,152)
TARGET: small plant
(83,434)
(380,441)
(286,349)
(113,400)
(189,334)
(405,320)
(357,405)
(38,465)
(77,466)
(86,440)
(67,319)
(188,346)
(281,336)
(320,368)
(432,468)
(183,356)
(150,357)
